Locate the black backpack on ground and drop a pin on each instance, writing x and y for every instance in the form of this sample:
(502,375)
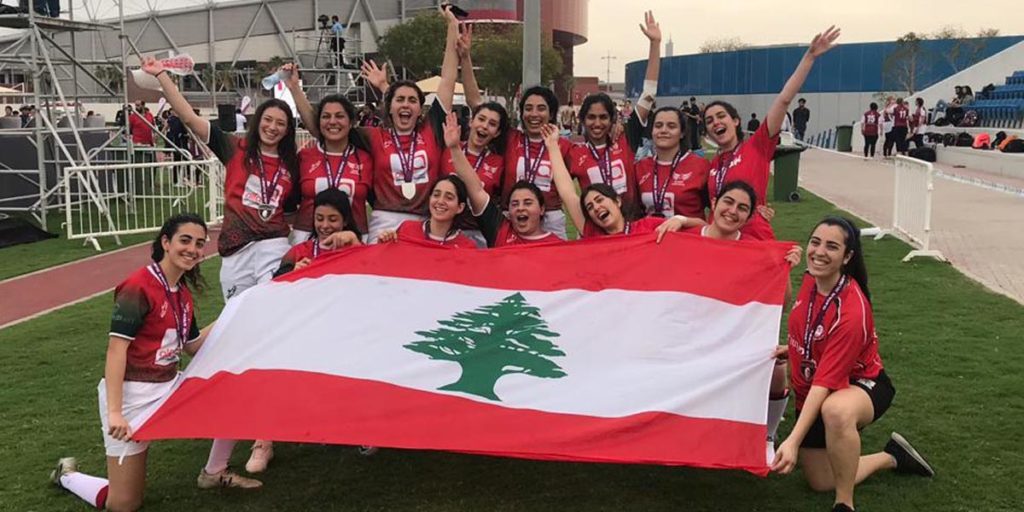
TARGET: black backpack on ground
(1015,146)
(949,139)
(964,139)
(926,154)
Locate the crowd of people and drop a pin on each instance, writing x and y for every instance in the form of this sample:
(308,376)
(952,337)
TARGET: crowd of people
(419,175)
(897,124)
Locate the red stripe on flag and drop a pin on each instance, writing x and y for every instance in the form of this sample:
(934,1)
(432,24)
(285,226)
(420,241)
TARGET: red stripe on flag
(308,407)
(687,263)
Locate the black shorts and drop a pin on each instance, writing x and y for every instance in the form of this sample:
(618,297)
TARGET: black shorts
(879,390)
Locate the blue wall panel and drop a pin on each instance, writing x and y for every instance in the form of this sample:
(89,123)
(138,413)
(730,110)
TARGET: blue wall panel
(856,67)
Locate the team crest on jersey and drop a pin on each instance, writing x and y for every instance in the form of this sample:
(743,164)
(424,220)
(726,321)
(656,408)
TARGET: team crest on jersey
(681,179)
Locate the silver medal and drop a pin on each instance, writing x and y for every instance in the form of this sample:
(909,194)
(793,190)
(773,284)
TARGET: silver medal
(409,190)
(266,211)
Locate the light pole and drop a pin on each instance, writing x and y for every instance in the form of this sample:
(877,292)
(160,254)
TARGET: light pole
(608,71)
(531,43)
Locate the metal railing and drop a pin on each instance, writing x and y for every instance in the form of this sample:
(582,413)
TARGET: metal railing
(122,199)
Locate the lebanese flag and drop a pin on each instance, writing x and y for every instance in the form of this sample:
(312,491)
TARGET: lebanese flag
(609,350)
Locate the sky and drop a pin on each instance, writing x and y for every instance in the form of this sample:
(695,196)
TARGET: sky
(614,24)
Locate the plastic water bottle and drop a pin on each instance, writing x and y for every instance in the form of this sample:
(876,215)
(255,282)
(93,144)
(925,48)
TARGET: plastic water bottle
(274,78)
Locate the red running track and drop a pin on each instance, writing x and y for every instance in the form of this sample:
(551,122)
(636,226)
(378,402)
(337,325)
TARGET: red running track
(25,297)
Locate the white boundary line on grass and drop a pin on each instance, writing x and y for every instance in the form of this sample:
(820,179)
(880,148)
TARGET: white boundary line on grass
(72,303)
(73,262)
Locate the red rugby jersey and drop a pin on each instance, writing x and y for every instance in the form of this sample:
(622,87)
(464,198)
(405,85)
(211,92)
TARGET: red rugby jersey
(319,170)
(685,193)
(515,167)
(749,162)
(150,316)
(490,169)
(415,230)
(422,155)
(611,165)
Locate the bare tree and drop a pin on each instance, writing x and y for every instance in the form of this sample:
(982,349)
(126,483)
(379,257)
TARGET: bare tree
(903,64)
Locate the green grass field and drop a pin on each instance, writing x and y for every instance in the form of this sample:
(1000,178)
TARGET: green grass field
(952,348)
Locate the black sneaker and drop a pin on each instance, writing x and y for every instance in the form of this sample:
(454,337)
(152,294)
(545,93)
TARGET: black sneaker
(907,459)
(842,507)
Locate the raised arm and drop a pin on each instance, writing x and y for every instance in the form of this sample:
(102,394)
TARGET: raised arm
(306,111)
(777,112)
(178,103)
(560,175)
(472,89)
(652,30)
(450,63)
(478,197)
(375,75)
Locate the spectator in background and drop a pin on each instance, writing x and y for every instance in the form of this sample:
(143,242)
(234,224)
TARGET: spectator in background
(753,124)
(49,8)
(27,116)
(8,111)
(567,117)
(140,124)
(900,126)
(968,96)
(958,96)
(801,115)
(919,120)
(887,126)
(870,126)
(239,120)
(368,116)
(693,119)
(338,40)
(626,111)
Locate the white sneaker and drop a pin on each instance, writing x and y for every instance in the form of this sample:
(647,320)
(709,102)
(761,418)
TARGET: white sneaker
(262,452)
(226,478)
(64,466)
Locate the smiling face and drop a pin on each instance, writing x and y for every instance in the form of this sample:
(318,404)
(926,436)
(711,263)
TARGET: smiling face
(484,127)
(731,211)
(602,210)
(334,123)
(721,126)
(184,250)
(667,130)
(826,251)
(273,126)
(444,202)
(327,220)
(405,108)
(525,212)
(535,115)
(598,123)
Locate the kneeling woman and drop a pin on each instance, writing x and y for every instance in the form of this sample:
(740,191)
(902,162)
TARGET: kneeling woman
(836,372)
(447,201)
(334,229)
(524,224)
(153,321)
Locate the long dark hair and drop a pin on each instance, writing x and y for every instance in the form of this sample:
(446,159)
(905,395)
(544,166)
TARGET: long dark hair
(354,136)
(462,196)
(389,95)
(604,100)
(729,109)
(549,98)
(287,150)
(855,268)
(682,123)
(498,143)
(192,278)
(628,212)
(338,200)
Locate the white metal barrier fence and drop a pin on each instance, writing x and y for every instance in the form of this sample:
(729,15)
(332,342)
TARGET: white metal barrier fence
(122,199)
(912,208)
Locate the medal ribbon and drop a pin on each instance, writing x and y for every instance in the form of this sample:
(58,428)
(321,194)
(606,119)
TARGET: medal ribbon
(658,192)
(181,321)
(723,168)
(531,167)
(267,193)
(811,328)
(604,163)
(479,160)
(408,160)
(334,175)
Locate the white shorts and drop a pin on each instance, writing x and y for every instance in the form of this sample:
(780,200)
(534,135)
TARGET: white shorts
(554,222)
(297,236)
(477,236)
(381,220)
(253,264)
(137,398)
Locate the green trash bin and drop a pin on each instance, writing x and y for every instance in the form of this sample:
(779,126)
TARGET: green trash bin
(787,171)
(844,137)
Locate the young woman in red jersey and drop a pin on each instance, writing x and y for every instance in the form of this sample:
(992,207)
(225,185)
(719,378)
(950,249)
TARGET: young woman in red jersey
(154,320)
(341,160)
(261,183)
(870,126)
(836,372)
(447,202)
(334,229)
(602,206)
(407,151)
(750,160)
(525,209)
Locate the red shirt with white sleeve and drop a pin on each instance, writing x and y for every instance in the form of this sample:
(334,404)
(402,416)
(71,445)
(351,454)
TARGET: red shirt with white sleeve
(418,152)
(681,189)
(489,167)
(417,230)
(749,162)
(900,116)
(872,122)
(516,149)
(350,172)
(611,165)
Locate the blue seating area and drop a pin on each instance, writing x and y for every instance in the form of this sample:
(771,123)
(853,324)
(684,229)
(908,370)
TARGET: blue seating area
(1003,107)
